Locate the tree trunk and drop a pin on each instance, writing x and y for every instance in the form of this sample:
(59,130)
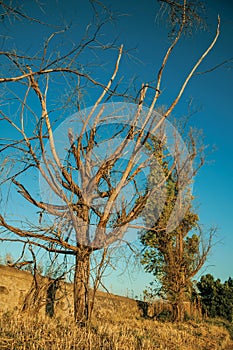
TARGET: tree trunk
(178,307)
(81,287)
(178,311)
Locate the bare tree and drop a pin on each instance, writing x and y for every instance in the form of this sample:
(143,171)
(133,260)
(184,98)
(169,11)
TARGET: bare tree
(93,167)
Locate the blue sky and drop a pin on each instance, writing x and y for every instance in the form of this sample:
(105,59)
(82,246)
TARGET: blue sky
(138,28)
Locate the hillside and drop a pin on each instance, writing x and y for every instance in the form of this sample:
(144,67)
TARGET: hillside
(117,323)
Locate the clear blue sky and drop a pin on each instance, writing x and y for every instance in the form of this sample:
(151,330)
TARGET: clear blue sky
(212,96)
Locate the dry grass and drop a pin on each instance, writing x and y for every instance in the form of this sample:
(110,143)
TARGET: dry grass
(25,333)
(117,324)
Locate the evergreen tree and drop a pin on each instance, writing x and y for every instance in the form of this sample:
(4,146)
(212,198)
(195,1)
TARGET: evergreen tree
(216,297)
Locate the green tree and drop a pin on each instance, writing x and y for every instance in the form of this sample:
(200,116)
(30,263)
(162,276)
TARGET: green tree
(173,256)
(216,297)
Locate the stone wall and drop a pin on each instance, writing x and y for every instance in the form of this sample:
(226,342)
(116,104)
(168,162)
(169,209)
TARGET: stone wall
(16,288)
(14,285)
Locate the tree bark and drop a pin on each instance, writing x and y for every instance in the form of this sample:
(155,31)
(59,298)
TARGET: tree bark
(81,286)
(178,307)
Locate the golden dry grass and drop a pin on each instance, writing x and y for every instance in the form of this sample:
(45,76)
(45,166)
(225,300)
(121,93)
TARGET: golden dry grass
(117,324)
(26,333)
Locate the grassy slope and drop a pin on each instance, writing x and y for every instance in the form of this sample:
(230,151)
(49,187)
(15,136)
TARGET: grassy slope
(115,326)
(25,333)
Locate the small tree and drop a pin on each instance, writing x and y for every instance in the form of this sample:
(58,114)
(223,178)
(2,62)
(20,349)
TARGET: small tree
(173,255)
(85,204)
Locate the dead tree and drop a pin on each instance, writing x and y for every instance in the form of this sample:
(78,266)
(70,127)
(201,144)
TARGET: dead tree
(88,205)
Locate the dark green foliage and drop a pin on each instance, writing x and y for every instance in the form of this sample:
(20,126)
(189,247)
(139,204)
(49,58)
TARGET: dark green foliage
(216,297)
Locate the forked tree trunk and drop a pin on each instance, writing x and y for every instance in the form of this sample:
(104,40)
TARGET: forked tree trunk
(81,287)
